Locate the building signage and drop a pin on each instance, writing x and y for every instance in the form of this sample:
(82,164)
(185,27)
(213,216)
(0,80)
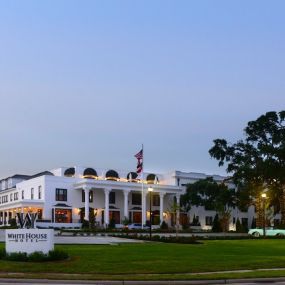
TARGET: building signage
(28,239)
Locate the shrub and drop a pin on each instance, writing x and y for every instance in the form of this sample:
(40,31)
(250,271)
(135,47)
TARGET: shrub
(13,223)
(57,255)
(85,224)
(112,224)
(125,221)
(164,226)
(239,227)
(216,225)
(16,256)
(37,256)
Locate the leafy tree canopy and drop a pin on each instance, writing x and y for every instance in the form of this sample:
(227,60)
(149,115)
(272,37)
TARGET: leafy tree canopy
(209,194)
(257,161)
(260,157)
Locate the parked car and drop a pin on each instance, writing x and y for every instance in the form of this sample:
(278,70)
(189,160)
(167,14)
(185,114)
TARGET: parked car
(268,232)
(136,226)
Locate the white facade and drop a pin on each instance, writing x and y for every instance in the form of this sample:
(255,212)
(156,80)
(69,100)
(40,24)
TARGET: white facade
(65,197)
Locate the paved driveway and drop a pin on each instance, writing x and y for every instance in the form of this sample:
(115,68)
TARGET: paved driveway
(70,239)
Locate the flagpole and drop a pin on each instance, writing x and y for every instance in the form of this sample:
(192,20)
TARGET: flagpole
(143,202)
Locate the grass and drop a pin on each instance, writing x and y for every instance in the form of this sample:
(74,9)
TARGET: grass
(158,261)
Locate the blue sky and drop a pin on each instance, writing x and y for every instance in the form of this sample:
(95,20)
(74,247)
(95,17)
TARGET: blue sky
(87,82)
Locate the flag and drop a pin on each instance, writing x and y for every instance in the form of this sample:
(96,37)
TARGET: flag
(139,157)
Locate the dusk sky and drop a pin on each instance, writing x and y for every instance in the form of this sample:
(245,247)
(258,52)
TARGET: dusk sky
(87,82)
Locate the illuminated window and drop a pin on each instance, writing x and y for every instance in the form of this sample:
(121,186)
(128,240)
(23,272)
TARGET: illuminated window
(63,215)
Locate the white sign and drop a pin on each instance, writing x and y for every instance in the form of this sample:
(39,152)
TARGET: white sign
(29,240)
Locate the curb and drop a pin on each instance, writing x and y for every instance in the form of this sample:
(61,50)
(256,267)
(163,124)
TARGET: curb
(122,282)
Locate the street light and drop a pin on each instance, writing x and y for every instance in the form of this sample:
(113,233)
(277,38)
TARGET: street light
(150,190)
(263,197)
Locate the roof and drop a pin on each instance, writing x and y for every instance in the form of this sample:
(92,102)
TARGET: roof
(27,177)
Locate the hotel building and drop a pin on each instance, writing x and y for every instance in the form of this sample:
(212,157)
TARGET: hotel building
(64,197)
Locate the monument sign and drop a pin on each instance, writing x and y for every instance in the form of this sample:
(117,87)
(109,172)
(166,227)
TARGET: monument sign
(28,238)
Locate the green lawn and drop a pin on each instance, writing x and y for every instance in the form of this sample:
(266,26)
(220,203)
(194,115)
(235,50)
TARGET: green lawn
(140,261)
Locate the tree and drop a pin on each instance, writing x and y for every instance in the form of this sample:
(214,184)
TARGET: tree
(216,224)
(212,196)
(174,209)
(258,161)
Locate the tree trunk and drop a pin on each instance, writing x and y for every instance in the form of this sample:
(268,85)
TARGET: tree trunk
(259,212)
(282,206)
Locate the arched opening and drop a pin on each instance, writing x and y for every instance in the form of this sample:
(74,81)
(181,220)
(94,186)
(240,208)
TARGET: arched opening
(132,176)
(90,173)
(70,172)
(152,179)
(112,175)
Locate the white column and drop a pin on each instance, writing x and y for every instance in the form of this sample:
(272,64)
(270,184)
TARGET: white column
(86,192)
(126,204)
(106,213)
(178,210)
(144,208)
(161,196)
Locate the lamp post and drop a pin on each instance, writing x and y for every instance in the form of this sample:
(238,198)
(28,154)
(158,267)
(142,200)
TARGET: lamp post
(263,197)
(150,190)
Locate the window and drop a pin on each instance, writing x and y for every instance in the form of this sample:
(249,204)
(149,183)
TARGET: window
(11,197)
(60,194)
(234,220)
(90,196)
(40,192)
(112,197)
(16,196)
(136,199)
(5,199)
(63,215)
(32,193)
(23,194)
(209,221)
(155,200)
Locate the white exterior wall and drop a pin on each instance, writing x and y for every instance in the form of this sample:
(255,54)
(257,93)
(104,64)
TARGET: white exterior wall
(74,185)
